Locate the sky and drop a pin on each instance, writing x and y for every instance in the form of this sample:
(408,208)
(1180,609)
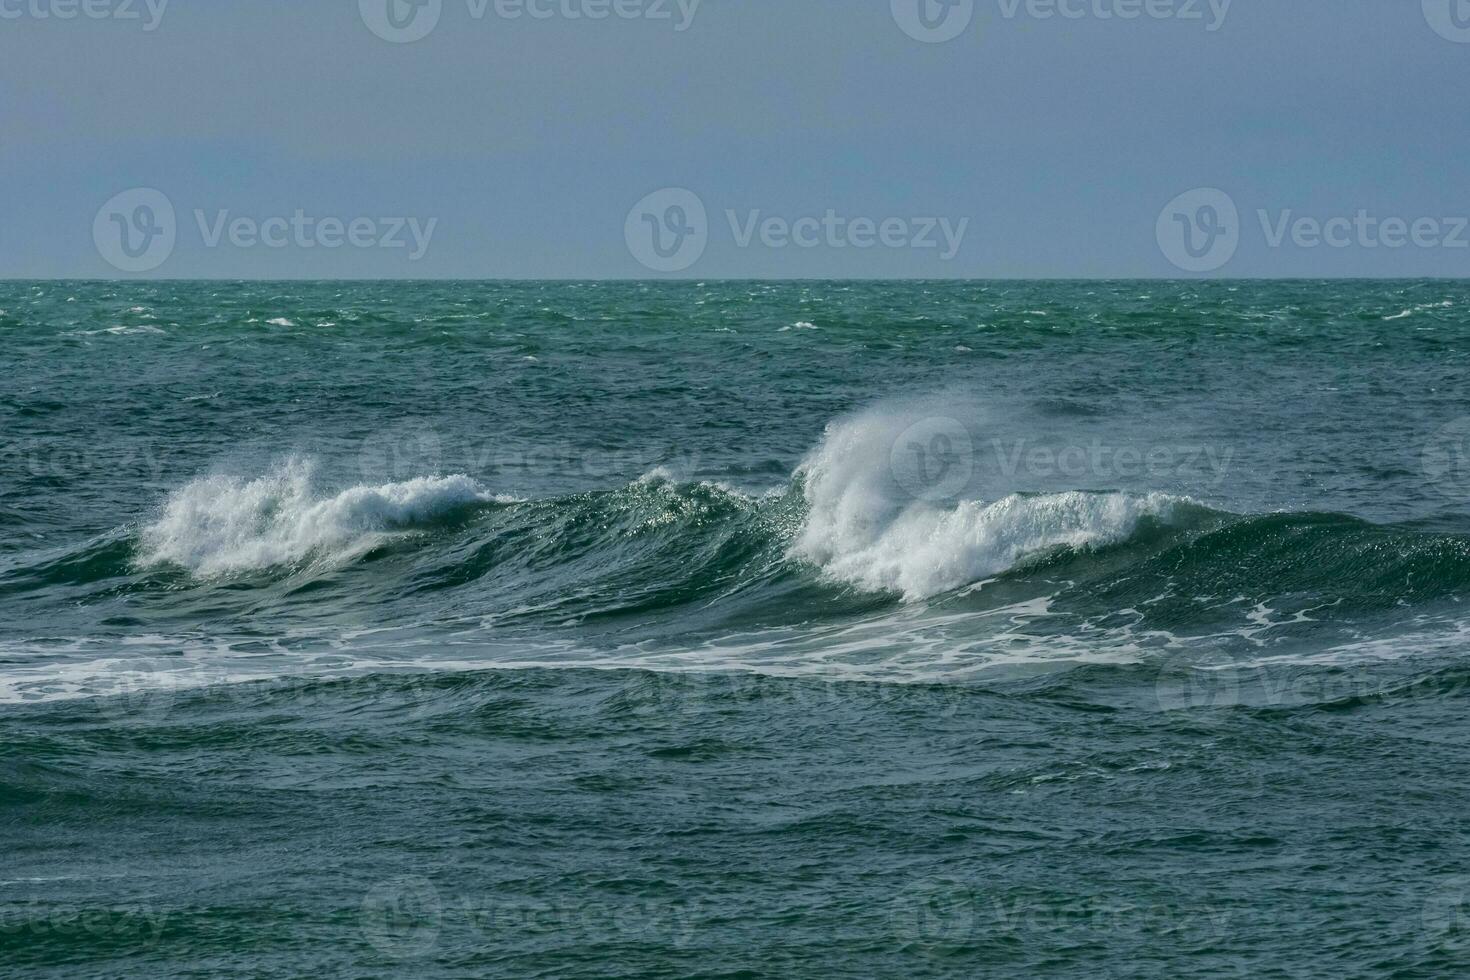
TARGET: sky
(490,139)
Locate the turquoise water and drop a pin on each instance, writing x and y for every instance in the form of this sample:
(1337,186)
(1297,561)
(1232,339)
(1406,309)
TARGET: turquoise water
(734,629)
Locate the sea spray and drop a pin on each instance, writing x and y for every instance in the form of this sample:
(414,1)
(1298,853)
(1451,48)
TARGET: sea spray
(221,524)
(864,527)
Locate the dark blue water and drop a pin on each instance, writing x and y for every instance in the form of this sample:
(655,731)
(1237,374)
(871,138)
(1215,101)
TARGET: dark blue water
(734,629)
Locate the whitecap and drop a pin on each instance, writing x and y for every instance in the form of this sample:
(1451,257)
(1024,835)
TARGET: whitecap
(222,524)
(864,529)
(118,331)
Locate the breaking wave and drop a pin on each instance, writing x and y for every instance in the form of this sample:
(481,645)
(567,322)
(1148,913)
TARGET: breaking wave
(222,524)
(853,567)
(869,525)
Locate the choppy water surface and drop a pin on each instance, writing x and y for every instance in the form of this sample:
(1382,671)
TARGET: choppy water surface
(734,629)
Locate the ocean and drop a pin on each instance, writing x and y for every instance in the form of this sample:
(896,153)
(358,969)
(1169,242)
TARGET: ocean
(735,629)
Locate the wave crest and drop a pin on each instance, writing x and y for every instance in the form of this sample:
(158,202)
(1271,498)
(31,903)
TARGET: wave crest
(221,524)
(864,528)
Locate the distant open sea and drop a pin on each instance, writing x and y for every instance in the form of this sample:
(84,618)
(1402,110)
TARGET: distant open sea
(735,629)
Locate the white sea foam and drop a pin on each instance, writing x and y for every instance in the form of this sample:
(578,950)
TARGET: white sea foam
(148,675)
(118,331)
(864,528)
(667,475)
(1445,304)
(222,524)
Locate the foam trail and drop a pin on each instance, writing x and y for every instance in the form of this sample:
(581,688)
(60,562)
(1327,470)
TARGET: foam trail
(220,524)
(863,528)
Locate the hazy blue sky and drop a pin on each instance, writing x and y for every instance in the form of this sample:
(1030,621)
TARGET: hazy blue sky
(528,140)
